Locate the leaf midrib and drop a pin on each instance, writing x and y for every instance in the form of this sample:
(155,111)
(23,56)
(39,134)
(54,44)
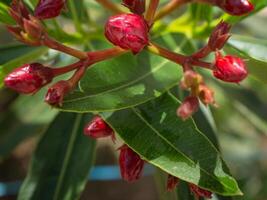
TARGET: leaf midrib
(168,142)
(70,145)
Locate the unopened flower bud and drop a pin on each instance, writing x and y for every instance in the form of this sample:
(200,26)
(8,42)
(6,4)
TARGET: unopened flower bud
(56,93)
(135,6)
(131,165)
(236,7)
(128,31)
(18,11)
(188,107)
(206,95)
(33,28)
(47,9)
(172,182)
(232,7)
(98,128)
(230,68)
(219,36)
(191,79)
(198,192)
(29,78)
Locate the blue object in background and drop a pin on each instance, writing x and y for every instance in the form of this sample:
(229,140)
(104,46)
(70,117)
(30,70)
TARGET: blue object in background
(98,173)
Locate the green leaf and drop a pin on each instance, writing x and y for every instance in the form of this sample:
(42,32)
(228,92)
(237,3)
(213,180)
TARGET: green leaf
(177,147)
(30,56)
(128,80)
(259,5)
(61,162)
(255,51)
(4,15)
(10,52)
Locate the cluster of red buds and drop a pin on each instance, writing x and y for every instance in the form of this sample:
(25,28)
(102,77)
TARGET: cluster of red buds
(127,32)
(130,163)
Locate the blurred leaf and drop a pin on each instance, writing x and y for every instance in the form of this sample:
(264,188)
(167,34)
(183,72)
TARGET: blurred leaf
(4,15)
(259,5)
(173,145)
(16,126)
(128,80)
(20,60)
(61,162)
(10,52)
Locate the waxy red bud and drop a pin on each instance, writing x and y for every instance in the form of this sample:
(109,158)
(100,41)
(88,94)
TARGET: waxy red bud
(135,6)
(98,128)
(47,9)
(198,192)
(56,93)
(188,107)
(128,31)
(236,7)
(230,68)
(131,165)
(172,182)
(219,36)
(29,78)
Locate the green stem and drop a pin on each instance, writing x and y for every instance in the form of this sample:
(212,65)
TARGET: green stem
(110,6)
(170,7)
(74,14)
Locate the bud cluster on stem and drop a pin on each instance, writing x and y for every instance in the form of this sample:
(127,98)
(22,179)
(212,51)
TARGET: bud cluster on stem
(127,32)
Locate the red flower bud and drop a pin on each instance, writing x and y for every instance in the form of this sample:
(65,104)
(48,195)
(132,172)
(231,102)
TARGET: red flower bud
(55,94)
(219,36)
(235,7)
(135,6)
(131,165)
(47,9)
(98,128)
(128,31)
(172,182)
(189,106)
(198,192)
(230,68)
(29,78)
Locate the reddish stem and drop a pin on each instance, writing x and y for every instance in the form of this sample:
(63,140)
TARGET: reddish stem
(152,8)
(92,57)
(53,44)
(68,68)
(177,58)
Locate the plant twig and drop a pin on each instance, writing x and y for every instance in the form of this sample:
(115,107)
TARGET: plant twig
(169,7)
(152,8)
(110,6)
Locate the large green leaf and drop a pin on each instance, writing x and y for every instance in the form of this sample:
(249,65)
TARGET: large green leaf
(161,138)
(28,56)
(61,162)
(255,51)
(128,80)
